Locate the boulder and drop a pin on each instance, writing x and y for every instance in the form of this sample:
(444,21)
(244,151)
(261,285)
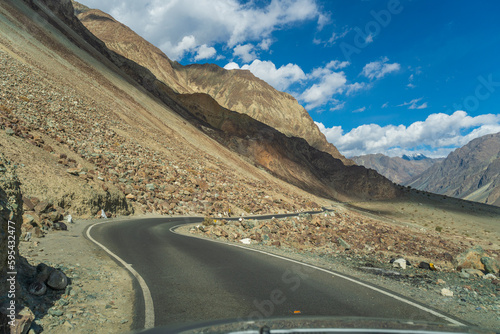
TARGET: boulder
(54,216)
(42,207)
(22,321)
(470,259)
(490,265)
(28,204)
(57,280)
(399,263)
(43,272)
(28,219)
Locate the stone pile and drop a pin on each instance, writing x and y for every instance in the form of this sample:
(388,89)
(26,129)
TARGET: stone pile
(338,232)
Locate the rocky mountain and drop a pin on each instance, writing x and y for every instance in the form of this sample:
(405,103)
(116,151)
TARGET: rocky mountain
(471,172)
(91,130)
(237,90)
(396,169)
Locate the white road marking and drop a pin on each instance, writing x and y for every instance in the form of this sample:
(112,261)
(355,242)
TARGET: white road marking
(423,308)
(149,313)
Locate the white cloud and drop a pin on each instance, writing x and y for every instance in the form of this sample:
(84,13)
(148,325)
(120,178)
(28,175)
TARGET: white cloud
(337,64)
(323,20)
(353,88)
(205,52)
(378,69)
(359,110)
(440,133)
(337,105)
(333,38)
(280,78)
(322,92)
(245,52)
(265,44)
(165,23)
(187,44)
(385,105)
(232,66)
(323,84)
(413,104)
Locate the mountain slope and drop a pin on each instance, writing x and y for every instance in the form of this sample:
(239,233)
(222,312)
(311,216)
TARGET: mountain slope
(86,136)
(471,172)
(237,90)
(104,127)
(396,169)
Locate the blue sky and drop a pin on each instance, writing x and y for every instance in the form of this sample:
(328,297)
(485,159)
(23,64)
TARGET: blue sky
(392,77)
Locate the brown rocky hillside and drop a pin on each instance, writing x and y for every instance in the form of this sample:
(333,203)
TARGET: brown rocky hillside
(237,90)
(91,130)
(85,136)
(471,172)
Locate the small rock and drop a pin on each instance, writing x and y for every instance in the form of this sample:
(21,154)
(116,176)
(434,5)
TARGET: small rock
(474,272)
(446,292)
(490,276)
(68,325)
(59,226)
(55,312)
(246,241)
(343,243)
(464,274)
(440,281)
(27,237)
(425,265)
(399,263)
(74,171)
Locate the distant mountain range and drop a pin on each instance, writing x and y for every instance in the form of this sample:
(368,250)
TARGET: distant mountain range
(471,172)
(396,169)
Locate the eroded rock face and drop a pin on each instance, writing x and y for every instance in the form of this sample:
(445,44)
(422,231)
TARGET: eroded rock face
(11,219)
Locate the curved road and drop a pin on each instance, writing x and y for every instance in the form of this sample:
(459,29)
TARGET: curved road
(196,280)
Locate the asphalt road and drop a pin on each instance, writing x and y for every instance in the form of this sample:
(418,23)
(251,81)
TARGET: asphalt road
(196,280)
